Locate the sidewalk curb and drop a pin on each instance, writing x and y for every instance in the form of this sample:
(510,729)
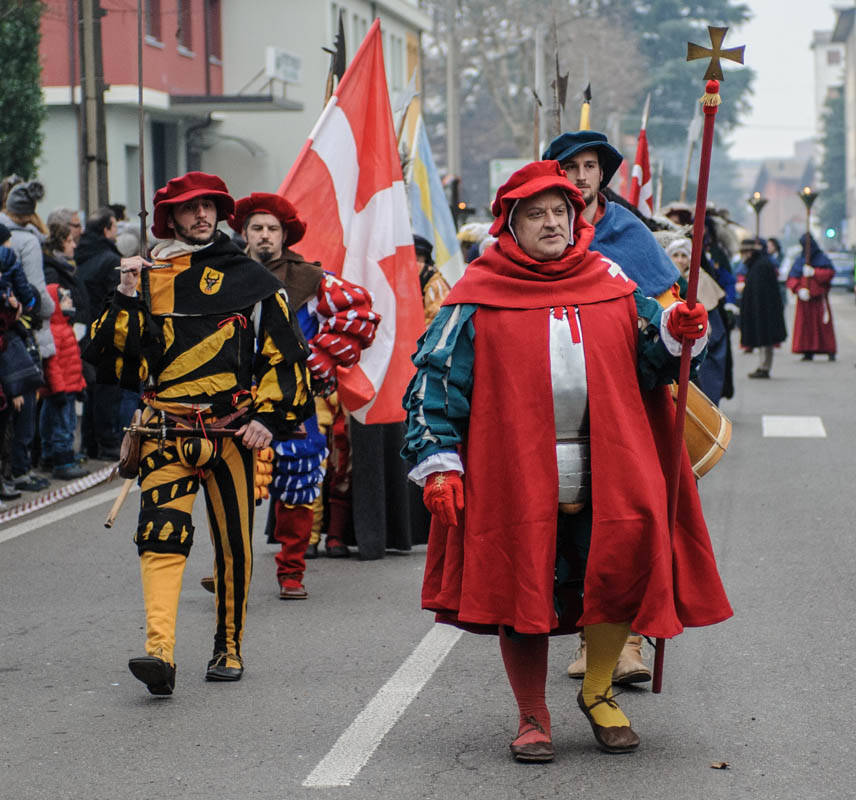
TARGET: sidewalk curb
(70,489)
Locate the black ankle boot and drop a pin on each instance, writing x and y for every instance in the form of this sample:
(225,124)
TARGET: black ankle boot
(157,674)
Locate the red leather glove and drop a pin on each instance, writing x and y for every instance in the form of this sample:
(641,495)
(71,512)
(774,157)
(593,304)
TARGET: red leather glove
(686,322)
(444,496)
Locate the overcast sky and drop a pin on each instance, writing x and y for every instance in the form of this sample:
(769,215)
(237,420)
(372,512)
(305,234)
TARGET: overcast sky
(777,43)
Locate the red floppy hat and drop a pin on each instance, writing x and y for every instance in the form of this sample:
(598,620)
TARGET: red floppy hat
(180,190)
(275,205)
(528,181)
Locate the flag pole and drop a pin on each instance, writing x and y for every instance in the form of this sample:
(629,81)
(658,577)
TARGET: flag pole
(338,59)
(585,109)
(141,131)
(641,165)
(536,127)
(710,103)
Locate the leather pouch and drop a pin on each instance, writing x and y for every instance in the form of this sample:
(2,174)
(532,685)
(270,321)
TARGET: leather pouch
(129,452)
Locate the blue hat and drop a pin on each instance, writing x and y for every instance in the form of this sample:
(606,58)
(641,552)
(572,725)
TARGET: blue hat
(423,247)
(569,144)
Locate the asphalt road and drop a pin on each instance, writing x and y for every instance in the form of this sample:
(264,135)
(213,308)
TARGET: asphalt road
(766,692)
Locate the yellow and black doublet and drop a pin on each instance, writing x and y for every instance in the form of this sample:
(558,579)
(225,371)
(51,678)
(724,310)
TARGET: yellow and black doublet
(211,336)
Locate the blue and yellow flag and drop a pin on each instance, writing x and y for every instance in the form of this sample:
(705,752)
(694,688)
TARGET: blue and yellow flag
(430,214)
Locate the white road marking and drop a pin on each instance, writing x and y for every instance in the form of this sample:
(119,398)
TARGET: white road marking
(356,745)
(793,427)
(63,512)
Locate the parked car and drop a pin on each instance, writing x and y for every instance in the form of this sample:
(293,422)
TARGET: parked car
(844,262)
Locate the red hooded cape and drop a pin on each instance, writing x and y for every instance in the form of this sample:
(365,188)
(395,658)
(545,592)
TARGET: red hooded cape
(497,567)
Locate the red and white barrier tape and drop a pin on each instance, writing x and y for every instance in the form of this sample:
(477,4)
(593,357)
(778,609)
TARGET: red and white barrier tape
(70,489)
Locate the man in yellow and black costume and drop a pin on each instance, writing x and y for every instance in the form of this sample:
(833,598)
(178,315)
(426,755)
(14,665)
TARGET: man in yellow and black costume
(210,334)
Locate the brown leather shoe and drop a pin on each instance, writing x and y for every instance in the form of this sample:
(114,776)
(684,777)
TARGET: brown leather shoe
(630,667)
(615,739)
(292,589)
(532,752)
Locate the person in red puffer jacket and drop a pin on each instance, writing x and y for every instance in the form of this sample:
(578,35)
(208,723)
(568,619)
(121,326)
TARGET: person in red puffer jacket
(63,372)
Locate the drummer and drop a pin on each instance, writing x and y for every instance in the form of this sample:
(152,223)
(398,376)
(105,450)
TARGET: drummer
(712,373)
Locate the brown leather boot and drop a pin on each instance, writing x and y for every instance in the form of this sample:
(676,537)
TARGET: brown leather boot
(630,667)
(577,669)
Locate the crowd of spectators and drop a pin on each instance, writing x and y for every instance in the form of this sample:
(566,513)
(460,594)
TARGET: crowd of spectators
(55,276)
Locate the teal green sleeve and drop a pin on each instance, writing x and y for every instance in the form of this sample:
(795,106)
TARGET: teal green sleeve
(657,366)
(437,400)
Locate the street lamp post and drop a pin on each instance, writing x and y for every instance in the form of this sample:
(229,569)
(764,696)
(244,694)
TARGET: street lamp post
(808,197)
(757,202)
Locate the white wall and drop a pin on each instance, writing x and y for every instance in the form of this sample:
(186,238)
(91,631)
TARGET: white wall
(251,151)
(300,28)
(59,165)
(826,74)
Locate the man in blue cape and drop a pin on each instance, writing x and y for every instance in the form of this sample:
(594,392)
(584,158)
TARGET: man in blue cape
(590,162)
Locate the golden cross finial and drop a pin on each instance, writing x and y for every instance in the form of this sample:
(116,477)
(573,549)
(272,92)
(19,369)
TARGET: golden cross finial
(715,53)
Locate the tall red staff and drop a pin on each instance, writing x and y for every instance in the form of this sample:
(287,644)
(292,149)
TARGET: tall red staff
(710,102)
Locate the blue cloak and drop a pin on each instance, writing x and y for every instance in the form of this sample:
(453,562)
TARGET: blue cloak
(623,237)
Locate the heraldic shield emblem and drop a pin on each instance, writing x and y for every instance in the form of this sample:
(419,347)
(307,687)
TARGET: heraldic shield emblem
(211,281)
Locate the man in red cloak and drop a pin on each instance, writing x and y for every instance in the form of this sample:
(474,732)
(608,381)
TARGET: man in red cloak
(541,425)
(810,279)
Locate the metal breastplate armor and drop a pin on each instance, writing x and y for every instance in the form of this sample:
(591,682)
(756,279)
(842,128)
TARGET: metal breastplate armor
(570,409)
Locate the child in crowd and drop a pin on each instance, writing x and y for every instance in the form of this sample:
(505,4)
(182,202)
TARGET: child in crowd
(64,371)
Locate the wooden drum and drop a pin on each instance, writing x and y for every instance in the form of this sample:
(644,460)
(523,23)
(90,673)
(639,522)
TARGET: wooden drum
(707,431)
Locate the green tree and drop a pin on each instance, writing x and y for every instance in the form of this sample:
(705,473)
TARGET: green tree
(21,107)
(626,48)
(663,28)
(496,65)
(833,166)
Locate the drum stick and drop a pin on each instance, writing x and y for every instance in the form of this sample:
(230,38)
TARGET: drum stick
(117,503)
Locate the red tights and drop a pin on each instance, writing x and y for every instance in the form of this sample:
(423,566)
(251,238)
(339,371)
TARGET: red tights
(526,665)
(292,531)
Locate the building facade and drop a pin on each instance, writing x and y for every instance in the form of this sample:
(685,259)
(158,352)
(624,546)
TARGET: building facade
(829,60)
(254,151)
(780,180)
(181,56)
(232,87)
(844,34)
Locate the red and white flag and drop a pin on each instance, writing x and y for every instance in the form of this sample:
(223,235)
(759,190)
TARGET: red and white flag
(347,187)
(641,186)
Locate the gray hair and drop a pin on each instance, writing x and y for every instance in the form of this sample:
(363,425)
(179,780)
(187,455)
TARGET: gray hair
(128,243)
(63,215)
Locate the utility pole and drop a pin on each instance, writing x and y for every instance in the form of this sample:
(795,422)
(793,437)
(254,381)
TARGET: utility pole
(94,136)
(453,118)
(540,87)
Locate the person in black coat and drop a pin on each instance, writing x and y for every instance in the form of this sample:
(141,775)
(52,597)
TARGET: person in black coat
(97,259)
(107,409)
(762,318)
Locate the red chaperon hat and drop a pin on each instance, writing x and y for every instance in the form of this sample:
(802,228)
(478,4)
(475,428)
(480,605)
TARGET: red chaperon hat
(275,205)
(534,178)
(180,190)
